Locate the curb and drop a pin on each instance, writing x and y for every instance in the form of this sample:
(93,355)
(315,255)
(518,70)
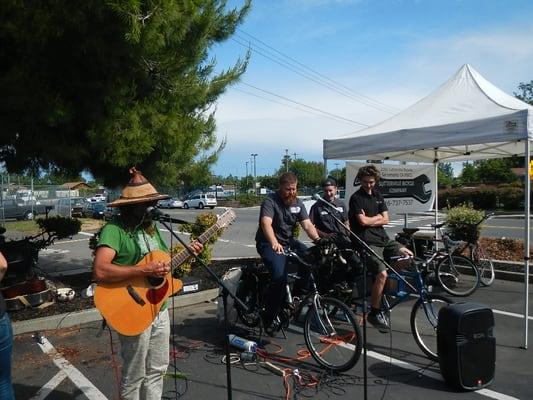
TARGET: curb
(68,320)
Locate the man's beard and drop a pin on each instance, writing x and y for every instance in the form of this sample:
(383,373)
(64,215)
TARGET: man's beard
(289,199)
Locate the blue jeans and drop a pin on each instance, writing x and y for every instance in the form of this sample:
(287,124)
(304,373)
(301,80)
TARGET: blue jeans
(277,265)
(6,350)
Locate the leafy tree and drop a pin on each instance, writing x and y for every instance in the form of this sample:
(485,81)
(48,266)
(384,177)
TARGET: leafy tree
(445,174)
(309,173)
(494,171)
(340,176)
(103,85)
(270,182)
(468,174)
(526,92)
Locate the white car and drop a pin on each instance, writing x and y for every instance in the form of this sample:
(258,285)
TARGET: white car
(97,198)
(170,203)
(201,201)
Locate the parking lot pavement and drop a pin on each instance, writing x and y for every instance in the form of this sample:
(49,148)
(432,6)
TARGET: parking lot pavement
(74,363)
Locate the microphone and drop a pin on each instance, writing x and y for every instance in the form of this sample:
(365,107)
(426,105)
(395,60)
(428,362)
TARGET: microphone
(158,215)
(155,213)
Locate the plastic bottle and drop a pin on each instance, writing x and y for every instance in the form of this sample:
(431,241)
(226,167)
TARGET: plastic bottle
(243,344)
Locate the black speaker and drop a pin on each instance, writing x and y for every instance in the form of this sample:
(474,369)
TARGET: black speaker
(466,345)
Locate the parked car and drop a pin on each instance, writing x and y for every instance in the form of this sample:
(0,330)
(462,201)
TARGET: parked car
(111,212)
(170,203)
(94,210)
(70,207)
(10,208)
(201,201)
(97,198)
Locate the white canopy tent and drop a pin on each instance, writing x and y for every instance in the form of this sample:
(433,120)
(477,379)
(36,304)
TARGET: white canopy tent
(467,118)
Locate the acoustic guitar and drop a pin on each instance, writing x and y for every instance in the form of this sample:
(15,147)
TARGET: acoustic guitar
(131,306)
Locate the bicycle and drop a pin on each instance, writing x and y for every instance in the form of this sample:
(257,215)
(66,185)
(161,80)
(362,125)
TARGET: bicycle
(331,332)
(425,311)
(456,274)
(476,252)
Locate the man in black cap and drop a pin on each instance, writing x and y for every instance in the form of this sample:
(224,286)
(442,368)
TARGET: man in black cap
(323,216)
(331,222)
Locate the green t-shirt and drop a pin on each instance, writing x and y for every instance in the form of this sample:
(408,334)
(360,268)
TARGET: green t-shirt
(130,247)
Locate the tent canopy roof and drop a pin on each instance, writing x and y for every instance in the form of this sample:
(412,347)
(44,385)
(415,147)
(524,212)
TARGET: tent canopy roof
(466,118)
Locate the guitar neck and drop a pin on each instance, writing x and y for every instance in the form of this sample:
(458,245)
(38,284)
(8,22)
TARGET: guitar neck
(179,258)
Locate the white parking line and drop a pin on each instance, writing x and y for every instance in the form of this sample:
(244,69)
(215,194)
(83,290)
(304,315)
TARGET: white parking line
(50,386)
(510,314)
(72,372)
(422,371)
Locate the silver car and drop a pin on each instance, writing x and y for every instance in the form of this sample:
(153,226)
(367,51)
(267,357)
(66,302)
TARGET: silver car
(170,203)
(201,201)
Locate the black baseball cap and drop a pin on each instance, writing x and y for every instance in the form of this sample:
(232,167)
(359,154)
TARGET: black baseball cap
(329,182)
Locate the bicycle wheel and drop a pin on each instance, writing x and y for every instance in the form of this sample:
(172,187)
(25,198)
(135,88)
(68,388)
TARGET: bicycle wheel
(485,266)
(424,318)
(457,275)
(332,334)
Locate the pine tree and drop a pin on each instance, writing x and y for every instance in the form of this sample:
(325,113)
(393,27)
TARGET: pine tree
(101,86)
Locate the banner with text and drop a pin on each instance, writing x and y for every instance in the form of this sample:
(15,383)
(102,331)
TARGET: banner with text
(405,188)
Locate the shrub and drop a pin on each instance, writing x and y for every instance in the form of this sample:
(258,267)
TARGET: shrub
(203,222)
(461,222)
(249,199)
(511,197)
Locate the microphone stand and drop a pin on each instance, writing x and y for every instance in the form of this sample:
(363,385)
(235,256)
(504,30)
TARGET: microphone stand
(225,293)
(365,251)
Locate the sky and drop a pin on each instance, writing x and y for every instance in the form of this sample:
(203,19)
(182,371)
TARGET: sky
(325,68)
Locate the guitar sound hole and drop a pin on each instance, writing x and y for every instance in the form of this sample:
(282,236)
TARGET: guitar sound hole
(155,281)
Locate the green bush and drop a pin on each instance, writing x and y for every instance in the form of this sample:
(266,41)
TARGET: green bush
(461,222)
(249,199)
(484,197)
(511,197)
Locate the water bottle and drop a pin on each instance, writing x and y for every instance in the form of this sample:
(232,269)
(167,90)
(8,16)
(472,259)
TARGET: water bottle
(248,356)
(243,344)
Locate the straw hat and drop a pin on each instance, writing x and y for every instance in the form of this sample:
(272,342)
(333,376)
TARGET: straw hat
(138,190)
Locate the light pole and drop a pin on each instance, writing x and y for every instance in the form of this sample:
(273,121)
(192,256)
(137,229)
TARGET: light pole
(255,175)
(247,169)
(286,160)
(337,170)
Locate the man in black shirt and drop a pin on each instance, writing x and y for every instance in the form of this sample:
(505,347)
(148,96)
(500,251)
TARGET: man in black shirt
(323,216)
(280,212)
(331,222)
(368,213)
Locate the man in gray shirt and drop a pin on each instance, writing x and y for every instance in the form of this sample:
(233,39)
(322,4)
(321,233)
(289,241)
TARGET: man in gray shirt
(279,215)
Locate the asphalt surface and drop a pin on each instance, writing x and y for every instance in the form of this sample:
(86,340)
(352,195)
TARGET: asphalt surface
(74,256)
(73,363)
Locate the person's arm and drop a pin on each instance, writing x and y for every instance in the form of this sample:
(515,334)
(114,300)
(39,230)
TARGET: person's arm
(377,220)
(3,266)
(310,229)
(105,271)
(268,231)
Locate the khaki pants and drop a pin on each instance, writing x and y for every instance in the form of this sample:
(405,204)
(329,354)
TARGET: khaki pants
(145,360)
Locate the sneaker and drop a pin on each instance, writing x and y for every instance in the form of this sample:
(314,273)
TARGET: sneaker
(343,288)
(272,328)
(379,321)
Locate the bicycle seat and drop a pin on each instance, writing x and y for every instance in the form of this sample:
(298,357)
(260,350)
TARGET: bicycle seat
(410,231)
(437,226)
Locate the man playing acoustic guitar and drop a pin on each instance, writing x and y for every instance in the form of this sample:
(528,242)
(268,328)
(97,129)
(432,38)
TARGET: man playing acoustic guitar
(123,245)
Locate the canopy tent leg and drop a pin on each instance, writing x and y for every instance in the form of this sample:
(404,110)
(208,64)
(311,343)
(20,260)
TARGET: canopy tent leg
(527,194)
(436,189)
